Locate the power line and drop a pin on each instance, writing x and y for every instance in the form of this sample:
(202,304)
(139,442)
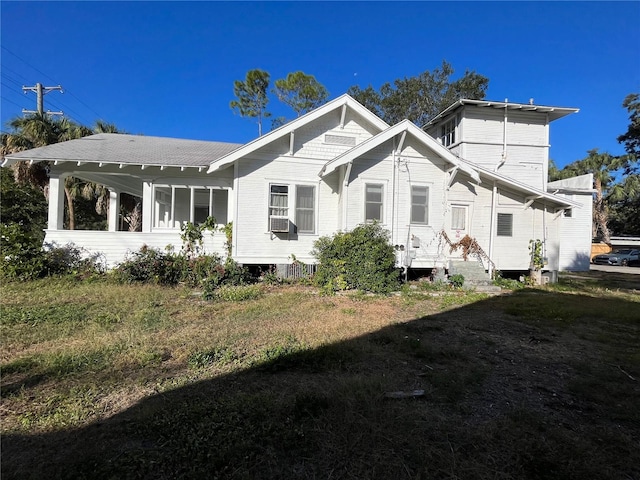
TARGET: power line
(23,60)
(10,101)
(54,81)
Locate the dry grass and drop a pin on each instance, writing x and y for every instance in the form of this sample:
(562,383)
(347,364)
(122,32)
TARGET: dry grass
(107,381)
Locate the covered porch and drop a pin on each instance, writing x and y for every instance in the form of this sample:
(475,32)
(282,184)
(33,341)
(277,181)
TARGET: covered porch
(168,176)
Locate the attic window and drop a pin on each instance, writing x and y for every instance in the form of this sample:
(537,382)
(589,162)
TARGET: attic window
(448,132)
(340,140)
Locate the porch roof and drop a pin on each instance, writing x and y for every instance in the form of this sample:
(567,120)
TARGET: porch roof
(121,149)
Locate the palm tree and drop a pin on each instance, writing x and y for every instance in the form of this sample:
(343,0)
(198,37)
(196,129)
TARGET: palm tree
(38,130)
(603,166)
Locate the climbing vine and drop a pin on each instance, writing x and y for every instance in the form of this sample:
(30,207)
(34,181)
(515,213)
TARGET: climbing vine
(193,235)
(537,259)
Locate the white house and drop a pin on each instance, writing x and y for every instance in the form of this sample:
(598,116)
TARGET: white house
(479,169)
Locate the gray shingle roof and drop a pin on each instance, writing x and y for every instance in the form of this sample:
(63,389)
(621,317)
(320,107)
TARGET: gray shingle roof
(131,150)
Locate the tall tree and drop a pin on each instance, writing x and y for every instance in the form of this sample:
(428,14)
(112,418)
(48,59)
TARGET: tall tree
(301,92)
(38,130)
(252,96)
(631,138)
(624,206)
(603,166)
(422,97)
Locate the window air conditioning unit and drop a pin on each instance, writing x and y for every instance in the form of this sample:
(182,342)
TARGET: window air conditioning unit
(278,224)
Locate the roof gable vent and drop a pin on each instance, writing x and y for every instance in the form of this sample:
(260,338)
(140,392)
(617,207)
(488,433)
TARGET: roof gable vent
(340,140)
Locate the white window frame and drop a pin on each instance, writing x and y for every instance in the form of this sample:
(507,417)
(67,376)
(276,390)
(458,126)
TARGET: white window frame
(427,205)
(312,209)
(278,207)
(465,208)
(292,205)
(381,203)
(448,131)
(170,214)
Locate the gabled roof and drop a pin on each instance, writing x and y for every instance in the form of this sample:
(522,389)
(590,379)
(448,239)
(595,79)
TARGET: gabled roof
(474,171)
(120,149)
(342,101)
(402,127)
(554,112)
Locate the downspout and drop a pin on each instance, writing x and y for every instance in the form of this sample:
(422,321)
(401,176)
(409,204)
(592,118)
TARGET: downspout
(345,200)
(504,139)
(492,227)
(393,194)
(544,233)
(235,226)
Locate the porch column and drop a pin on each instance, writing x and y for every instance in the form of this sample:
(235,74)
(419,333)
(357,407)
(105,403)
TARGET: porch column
(114,210)
(147,206)
(56,203)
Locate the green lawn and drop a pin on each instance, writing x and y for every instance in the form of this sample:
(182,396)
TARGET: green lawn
(111,381)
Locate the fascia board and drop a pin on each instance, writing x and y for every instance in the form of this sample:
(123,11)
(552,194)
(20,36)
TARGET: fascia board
(294,125)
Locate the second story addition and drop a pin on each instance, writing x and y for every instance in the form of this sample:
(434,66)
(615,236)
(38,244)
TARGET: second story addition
(510,138)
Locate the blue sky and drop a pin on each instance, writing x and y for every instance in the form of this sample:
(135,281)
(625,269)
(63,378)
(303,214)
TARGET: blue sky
(167,68)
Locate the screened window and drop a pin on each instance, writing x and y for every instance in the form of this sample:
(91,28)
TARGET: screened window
(458,218)
(505,224)
(448,132)
(279,200)
(419,204)
(373,203)
(305,209)
(174,206)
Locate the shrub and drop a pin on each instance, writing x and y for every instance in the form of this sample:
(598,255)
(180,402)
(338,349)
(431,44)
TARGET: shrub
(457,280)
(234,293)
(362,259)
(21,254)
(151,265)
(71,260)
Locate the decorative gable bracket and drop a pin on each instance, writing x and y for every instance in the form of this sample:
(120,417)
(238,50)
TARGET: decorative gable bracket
(452,175)
(529,201)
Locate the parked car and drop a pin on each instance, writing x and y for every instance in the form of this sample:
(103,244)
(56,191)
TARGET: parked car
(618,257)
(634,263)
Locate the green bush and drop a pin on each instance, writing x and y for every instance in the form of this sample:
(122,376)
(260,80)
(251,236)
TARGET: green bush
(234,293)
(150,265)
(362,259)
(22,257)
(457,280)
(21,254)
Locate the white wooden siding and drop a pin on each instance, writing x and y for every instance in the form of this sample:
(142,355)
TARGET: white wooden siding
(113,247)
(254,244)
(575,235)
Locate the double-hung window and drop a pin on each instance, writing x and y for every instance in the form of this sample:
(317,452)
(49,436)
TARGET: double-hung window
(373,202)
(279,201)
(305,208)
(302,205)
(419,204)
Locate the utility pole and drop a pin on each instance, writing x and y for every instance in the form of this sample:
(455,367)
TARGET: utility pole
(41,92)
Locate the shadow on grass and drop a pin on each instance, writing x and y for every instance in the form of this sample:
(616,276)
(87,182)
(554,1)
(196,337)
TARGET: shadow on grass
(516,386)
